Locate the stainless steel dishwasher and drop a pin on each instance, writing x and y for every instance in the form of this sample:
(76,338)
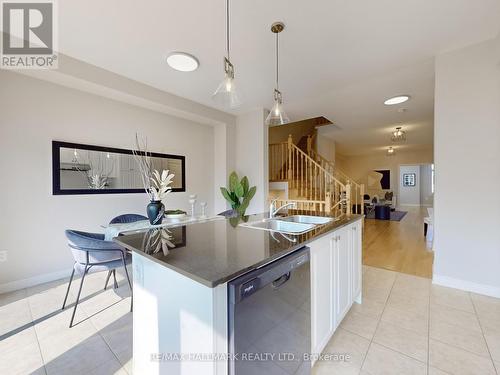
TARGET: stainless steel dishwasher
(270,318)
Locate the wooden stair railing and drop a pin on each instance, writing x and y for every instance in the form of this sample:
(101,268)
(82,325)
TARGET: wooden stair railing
(357,190)
(316,186)
(326,164)
(278,161)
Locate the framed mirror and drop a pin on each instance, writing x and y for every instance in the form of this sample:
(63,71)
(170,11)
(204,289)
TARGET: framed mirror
(87,169)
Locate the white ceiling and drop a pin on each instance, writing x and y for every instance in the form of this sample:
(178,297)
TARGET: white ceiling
(364,123)
(339,59)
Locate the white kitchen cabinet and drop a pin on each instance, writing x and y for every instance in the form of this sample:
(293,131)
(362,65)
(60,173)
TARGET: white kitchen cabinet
(342,274)
(322,292)
(336,272)
(356,253)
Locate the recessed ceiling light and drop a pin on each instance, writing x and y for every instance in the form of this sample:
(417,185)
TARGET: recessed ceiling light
(397,100)
(183,62)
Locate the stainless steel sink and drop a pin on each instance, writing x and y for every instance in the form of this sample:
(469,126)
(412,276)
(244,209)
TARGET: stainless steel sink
(306,219)
(281,226)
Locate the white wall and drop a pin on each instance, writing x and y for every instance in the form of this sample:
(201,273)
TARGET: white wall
(357,167)
(409,195)
(467,160)
(32,222)
(251,155)
(325,145)
(224,155)
(79,75)
(426,195)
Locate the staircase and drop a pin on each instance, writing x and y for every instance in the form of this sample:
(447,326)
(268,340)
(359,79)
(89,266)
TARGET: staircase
(314,183)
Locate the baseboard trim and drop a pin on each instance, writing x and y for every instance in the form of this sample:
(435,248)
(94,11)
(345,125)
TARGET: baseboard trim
(468,286)
(32,281)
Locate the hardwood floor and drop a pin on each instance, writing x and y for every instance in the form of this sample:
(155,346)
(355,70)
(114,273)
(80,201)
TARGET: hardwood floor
(398,245)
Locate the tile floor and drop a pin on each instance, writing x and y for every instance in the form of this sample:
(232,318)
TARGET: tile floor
(35,338)
(404,326)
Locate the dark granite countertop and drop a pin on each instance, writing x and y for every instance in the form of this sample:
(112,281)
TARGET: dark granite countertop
(214,252)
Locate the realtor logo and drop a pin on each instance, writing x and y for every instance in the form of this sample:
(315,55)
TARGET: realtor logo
(28,38)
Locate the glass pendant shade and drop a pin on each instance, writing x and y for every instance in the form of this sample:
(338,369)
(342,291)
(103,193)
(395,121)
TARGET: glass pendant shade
(227,94)
(277,115)
(391,151)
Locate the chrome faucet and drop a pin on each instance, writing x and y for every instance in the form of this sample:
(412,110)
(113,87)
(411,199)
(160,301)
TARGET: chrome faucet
(273,210)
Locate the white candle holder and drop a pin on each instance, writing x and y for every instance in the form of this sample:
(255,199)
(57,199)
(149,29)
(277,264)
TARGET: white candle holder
(192,202)
(203,210)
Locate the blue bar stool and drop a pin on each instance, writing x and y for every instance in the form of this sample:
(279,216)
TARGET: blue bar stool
(93,254)
(127,218)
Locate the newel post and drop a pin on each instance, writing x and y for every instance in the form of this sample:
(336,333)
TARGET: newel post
(309,145)
(328,202)
(348,198)
(290,150)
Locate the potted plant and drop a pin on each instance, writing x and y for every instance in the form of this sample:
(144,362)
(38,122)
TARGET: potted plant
(238,193)
(156,185)
(160,187)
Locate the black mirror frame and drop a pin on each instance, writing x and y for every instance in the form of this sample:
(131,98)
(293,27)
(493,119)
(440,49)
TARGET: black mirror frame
(56,165)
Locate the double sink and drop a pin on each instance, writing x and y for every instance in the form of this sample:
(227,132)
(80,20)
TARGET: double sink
(295,225)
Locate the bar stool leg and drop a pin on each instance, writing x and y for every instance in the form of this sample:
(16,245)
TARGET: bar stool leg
(78,297)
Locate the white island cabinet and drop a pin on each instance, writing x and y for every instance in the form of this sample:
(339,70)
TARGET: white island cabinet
(335,281)
(181,297)
(178,325)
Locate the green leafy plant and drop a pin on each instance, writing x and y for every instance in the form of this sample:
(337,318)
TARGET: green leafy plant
(234,221)
(239,193)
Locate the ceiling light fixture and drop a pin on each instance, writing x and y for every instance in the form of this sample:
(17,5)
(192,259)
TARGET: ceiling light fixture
(226,93)
(398,135)
(183,62)
(397,100)
(277,116)
(391,151)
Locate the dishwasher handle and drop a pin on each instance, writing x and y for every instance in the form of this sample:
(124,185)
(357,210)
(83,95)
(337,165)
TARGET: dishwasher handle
(276,284)
(276,273)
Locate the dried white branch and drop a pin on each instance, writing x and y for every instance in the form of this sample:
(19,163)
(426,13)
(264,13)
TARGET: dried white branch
(143,159)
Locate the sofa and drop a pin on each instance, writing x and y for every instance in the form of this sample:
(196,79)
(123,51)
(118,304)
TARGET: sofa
(382,197)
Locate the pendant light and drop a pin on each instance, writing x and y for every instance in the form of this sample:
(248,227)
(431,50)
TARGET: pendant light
(398,135)
(226,94)
(391,152)
(277,116)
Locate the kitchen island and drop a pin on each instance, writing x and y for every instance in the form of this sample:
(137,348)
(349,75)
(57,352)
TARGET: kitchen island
(181,294)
